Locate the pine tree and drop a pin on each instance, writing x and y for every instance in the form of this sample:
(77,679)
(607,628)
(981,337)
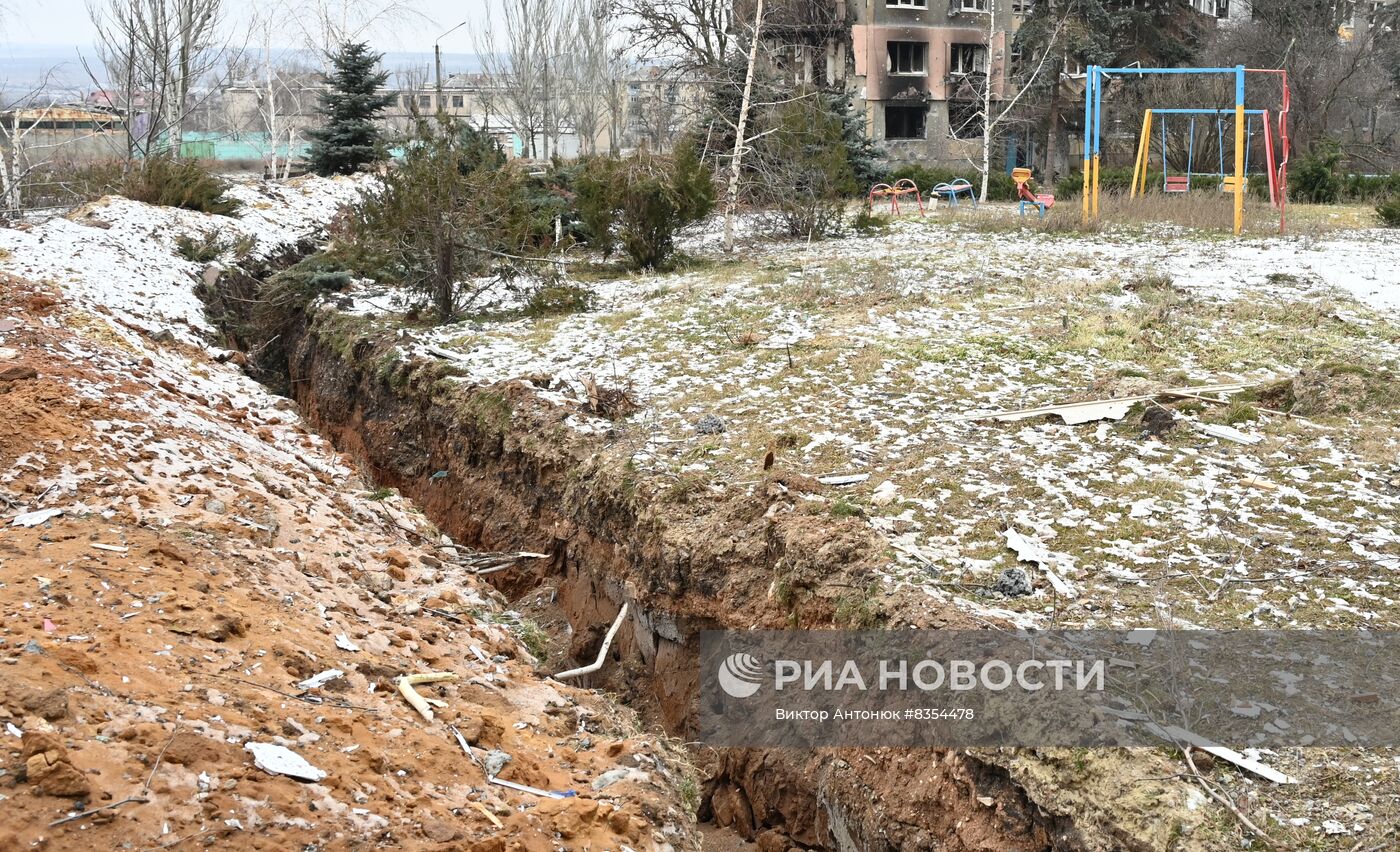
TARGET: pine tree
(350,139)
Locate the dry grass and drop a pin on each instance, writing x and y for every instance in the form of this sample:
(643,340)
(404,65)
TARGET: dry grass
(1201,211)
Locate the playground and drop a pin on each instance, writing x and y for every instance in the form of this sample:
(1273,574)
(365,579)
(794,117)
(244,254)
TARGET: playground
(1221,132)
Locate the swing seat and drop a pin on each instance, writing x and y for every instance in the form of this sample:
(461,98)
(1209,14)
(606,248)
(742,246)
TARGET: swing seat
(1176,183)
(1227,184)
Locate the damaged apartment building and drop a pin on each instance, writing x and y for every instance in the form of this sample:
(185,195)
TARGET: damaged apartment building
(916,69)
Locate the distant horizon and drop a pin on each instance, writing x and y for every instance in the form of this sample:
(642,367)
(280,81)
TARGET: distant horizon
(25,66)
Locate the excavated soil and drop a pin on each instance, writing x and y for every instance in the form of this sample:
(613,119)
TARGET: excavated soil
(211,554)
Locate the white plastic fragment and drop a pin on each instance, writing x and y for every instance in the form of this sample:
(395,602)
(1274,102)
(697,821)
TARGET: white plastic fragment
(277,760)
(34,519)
(843,479)
(1228,433)
(342,641)
(321,679)
(1033,551)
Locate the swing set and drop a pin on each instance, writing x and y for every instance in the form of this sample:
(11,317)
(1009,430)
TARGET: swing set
(1233,182)
(1178,183)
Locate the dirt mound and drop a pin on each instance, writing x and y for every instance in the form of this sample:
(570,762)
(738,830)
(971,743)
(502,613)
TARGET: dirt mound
(1334,388)
(198,562)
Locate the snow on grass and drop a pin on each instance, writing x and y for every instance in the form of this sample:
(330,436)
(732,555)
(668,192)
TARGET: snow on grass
(120,255)
(859,356)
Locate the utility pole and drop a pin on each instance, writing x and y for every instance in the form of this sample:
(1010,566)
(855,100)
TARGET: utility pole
(437,61)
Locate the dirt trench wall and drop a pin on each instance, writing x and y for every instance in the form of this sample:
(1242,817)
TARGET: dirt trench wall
(497,468)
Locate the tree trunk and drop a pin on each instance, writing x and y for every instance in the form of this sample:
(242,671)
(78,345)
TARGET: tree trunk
(987,102)
(1052,132)
(443,274)
(732,196)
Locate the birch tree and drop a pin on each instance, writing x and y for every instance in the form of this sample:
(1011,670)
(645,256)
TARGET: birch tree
(157,52)
(689,35)
(731,196)
(994,114)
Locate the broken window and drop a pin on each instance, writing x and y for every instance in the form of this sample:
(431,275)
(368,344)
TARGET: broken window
(964,119)
(968,59)
(905,122)
(456,101)
(906,4)
(908,57)
(1021,7)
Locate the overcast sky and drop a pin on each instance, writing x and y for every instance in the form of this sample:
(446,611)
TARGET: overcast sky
(65,22)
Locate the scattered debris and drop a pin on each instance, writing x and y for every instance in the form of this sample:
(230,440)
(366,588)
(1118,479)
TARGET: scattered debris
(885,493)
(278,760)
(607,402)
(495,761)
(34,519)
(1013,582)
(1033,551)
(487,813)
(709,425)
(420,703)
(525,788)
(342,641)
(1228,433)
(320,679)
(843,478)
(1074,413)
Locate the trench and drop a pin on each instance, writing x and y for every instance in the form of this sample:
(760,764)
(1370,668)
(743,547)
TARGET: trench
(496,468)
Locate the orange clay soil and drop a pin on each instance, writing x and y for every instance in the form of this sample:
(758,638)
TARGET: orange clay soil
(212,554)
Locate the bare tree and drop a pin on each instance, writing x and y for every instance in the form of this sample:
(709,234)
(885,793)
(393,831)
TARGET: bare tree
(327,24)
(279,85)
(29,152)
(688,35)
(19,162)
(157,52)
(1343,61)
(516,63)
(591,71)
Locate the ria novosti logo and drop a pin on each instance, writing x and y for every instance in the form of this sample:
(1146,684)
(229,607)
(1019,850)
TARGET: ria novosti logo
(740,675)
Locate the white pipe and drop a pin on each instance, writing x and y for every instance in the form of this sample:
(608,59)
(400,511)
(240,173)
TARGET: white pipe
(602,652)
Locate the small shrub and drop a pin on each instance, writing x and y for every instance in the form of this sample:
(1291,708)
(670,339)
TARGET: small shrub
(842,508)
(868,222)
(204,248)
(173,182)
(284,298)
(1317,177)
(1389,212)
(453,212)
(556,298)
(1239,411)
(803,170)
(642,202)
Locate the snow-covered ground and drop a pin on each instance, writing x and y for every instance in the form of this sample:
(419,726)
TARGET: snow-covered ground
(863,355)
(98,255)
